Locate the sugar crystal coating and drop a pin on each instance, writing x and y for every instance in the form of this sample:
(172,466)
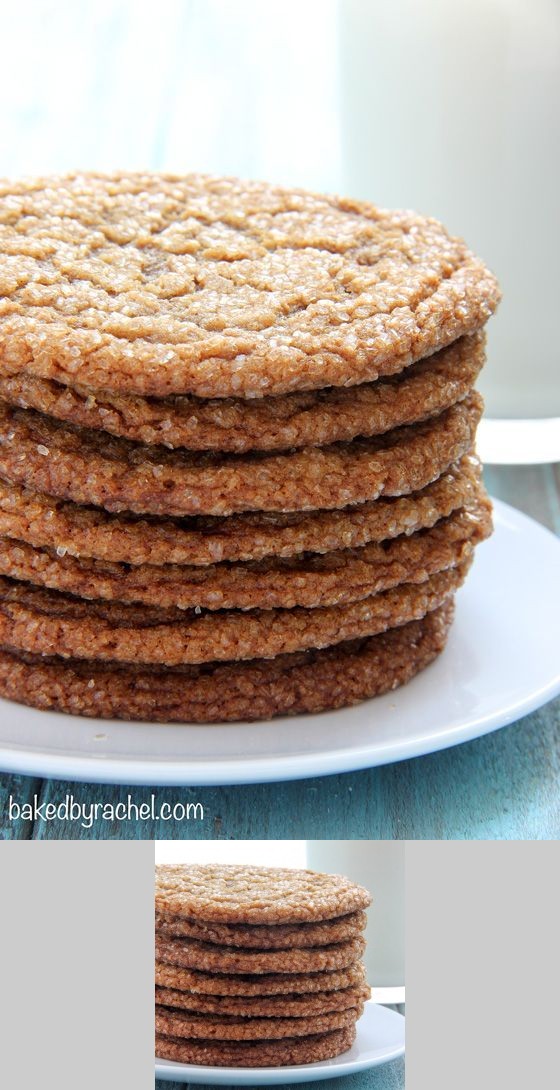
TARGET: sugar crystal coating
(311,681)
(272,423)
(261,985)
(160,284)
(342,576)
(215,1027)
(192,954)
(264,1053)
(262,936)
(294,1006)
(254,894)
(90,467)
(47,622)
(45,521)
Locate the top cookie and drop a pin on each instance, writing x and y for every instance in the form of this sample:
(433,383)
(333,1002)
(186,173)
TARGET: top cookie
(160,284)
(266,895)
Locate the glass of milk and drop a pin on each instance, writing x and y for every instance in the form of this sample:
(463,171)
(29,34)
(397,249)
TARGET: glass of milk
(451,109)
(379,866)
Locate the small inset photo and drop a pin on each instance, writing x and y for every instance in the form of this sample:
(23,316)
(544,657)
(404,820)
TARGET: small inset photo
(279,962)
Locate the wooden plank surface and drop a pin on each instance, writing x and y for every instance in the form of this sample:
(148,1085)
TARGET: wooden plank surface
(503,786)
(17,792)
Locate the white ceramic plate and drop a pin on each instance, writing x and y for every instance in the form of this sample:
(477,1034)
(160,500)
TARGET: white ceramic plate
(379,1038)
(501,662)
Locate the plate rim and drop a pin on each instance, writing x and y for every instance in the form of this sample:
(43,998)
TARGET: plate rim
(235,771)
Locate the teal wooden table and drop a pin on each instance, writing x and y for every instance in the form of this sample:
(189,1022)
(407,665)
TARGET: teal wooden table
(388,1077)
(503,786)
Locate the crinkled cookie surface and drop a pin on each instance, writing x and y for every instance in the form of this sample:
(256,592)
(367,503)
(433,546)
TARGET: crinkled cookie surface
(161,284)
(247,894)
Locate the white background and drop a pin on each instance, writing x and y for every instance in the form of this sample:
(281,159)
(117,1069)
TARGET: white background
(267,853)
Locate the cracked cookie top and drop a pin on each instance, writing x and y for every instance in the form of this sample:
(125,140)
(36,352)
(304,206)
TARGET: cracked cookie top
(251,894)
(160,284)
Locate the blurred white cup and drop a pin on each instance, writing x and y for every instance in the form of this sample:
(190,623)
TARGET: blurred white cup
(379,866)
(452,109)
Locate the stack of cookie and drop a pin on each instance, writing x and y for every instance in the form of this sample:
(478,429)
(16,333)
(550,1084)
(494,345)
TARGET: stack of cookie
(257,966)
(237,426)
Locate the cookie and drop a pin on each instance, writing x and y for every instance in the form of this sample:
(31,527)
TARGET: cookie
(160,284)
(230,894)
(175,1023)
(90,467)
(272,1006)
(294,420)
(45,521)
(265,937)
(265,984)
(265,1053)
(192,954)
(333,579)
(312,681)
(47,622)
